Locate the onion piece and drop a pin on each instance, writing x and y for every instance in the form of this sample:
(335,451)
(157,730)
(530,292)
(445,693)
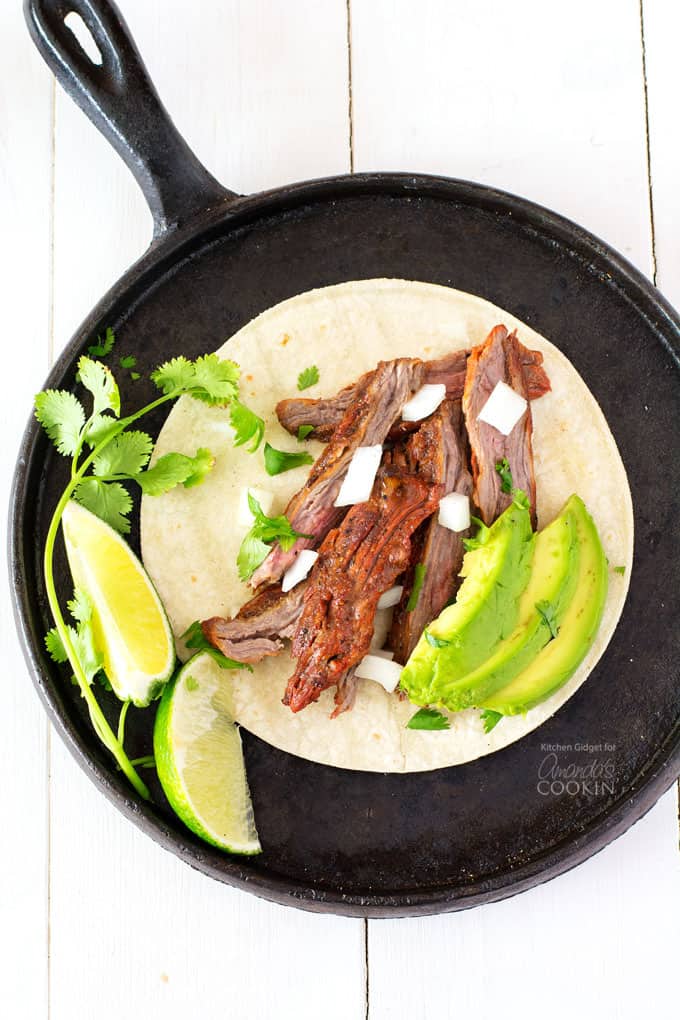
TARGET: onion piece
(263,497)
(299,568)
(382,621)
(454,511)
(503,408)
(424,402)
(358,482)
(383,671)
(390,597)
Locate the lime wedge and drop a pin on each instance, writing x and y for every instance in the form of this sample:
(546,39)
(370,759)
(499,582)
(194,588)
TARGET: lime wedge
(199,757)
(129,622)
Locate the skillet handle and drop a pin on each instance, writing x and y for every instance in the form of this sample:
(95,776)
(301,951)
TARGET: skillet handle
(120,99)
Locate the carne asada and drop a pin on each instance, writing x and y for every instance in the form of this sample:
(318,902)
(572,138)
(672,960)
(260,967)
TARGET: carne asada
(259,626)
(358,561)
(437,453)
(374,407)
(498,359)
(325,414)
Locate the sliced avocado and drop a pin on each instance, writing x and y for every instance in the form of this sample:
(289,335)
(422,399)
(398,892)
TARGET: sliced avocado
(542,606)
(555,663)
(485,611)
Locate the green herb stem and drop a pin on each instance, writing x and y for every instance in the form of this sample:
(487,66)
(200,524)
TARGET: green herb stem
(104,731)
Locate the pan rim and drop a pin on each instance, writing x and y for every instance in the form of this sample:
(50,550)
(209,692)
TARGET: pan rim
(163,253)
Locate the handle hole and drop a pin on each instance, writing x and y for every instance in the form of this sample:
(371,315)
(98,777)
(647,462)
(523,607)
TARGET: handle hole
(84,37)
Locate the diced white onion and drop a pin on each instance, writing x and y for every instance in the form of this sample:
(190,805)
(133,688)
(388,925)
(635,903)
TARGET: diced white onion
(383,671)
(454,511)
(390,597)
(264,498)
(424,402)
(382,621)
(383,653)
(299,568)
(358,482)
(503,409)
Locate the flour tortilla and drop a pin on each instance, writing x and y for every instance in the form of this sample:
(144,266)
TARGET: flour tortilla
(190,537)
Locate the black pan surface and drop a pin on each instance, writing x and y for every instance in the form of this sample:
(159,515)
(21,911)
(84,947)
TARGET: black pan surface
(337,840)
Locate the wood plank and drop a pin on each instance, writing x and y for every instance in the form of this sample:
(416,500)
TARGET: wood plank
(25,214)
(661,28)
(134,931)
(551,108)
(661,25)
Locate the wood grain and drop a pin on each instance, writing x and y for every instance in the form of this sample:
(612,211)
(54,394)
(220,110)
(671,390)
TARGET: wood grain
(25,213)
(552,107)
(244,82)
(94,918)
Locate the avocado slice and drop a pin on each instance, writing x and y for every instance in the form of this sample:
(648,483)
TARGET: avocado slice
(555,663)
(495,574)
(542,606)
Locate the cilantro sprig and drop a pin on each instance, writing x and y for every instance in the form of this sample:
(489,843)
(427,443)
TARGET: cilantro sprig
(418,581)
(106,455)
(278,461)
(490,718)
(308,377)
(503,469)
(195,639)
(264,532)
(428,719)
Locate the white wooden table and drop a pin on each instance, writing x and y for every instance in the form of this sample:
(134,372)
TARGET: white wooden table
(574,105)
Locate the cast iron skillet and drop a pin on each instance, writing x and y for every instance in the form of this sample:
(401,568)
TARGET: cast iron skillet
(335,840)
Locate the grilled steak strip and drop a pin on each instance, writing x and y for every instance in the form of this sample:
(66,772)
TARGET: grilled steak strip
(437,452)
(357,562)
(366,422)
(325,414)
(498,359)
(259,626)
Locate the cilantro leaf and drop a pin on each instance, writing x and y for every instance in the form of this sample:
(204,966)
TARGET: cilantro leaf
(195,639)
(127,454)
(435,642)
(428,719)
(99,428)
(252,552)
(547,611)
(127,361)
(80,606)
(108,500)
(418,581)
(265,530)
(480,539)
(102,347)
(55,646)
(503,469)
(303,431)
(174,376)
(81,638)
(278,461)
(620,570)
(99,380)
(62,416)
(212,379)
(215,379)
(247,425)
(202,463)
(490,719)
(175,469)
(308,377)
(520,498)
(135,376)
